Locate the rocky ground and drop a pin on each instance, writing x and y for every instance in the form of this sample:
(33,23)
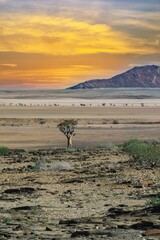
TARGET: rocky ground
(58,194)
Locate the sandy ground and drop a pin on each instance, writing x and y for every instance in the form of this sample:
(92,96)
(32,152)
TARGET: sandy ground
(47,192)
(21,127)
(28,119)
(79,101)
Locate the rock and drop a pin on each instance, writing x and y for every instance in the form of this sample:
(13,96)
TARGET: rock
(123,226)
(69,222)
(18,228)
(154,209)
(5,235)
(151,232)
(73,180)
(103,233)
(142,225)
(145,211)
(25,229)
(97,232)
(48,229)
(55,238)
(80,234)
(115,212)
(25,208)
(25,190)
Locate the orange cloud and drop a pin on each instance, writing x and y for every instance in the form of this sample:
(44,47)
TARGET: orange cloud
(12,65)
(61,49)
(64,36)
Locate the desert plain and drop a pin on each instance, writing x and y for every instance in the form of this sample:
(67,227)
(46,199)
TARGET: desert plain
(93,191)
(29,119)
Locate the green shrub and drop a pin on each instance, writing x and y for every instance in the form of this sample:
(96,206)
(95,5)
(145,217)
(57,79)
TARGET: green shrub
(108,146)
(154,200)
(4,150)
(71,150)
(144,152)
(7,219)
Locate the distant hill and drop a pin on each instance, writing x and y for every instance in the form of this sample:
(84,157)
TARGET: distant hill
(138,77)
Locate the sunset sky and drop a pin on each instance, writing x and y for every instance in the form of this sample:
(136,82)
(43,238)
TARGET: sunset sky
(59,43)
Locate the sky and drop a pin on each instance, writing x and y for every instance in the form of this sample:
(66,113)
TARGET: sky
(55,44)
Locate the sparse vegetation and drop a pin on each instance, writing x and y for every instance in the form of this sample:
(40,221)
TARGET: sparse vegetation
(154,200)
(108,146)
(29,222)
(44,165)
(143,152)
(67,127)
(115,121)
(71,150)
(4,150)
(7,219)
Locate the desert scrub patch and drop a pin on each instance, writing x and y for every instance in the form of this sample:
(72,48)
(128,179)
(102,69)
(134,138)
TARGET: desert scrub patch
(108,146)
(153,201)
(145,153)
(7,219)
(29,222)
(4,150)
(71,150)
(41,165)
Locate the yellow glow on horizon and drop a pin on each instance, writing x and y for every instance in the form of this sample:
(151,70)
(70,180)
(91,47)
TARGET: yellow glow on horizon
(57,77)
(64,36)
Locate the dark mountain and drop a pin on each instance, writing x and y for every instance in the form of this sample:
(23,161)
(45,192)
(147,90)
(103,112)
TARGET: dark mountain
(137,77)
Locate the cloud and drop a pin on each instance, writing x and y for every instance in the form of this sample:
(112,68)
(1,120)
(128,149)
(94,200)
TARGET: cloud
(12,65)
(158,40)
(64,41)
(76,27)
(139,19)
(64,36)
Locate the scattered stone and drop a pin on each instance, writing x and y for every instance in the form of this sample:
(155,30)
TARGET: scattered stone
(80,234)
(143,225)
(86,233)
(115,212)
(73,203)
(69,221)
(151,232)
(25,208)
(48,229)
(73,180)
(25,190)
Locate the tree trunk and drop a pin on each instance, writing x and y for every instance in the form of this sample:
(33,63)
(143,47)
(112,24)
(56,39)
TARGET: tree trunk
(69,142)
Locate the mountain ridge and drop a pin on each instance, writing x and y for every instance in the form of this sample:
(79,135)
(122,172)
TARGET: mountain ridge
(147,76)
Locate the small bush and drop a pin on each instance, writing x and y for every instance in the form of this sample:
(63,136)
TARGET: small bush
(108,146)
(61,166)
(115,121)
(71,150)
(4,150)
(153,201)
(41,165)
(7,219)
(144,152)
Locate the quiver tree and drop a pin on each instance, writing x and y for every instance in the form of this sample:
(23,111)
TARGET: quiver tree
(67,127)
